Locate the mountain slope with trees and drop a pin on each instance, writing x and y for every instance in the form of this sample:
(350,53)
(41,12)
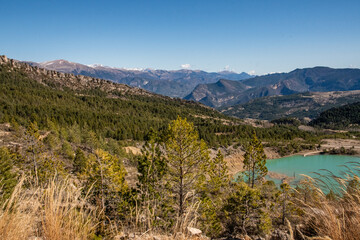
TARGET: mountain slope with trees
(347,116)
(109,110)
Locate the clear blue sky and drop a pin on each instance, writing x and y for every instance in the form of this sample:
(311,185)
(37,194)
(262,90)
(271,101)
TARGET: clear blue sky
(253,35)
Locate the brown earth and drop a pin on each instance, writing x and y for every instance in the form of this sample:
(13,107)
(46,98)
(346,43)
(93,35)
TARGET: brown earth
(133,150)
(338,143)
(235,162)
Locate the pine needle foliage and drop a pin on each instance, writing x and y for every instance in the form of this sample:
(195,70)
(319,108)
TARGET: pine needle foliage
(8,177)
(254,161)
(186,156)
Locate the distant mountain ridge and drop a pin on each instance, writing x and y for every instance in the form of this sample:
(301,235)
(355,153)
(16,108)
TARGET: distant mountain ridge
(317,79)
(174,83)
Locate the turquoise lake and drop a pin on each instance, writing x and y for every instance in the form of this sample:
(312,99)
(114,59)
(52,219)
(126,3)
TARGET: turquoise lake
(296,165)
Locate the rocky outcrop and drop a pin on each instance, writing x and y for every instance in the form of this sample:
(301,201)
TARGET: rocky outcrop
(70,81)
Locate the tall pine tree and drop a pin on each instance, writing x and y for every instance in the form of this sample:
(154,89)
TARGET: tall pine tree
(7,174)
(214,193)
(186,156)
(151,186)
(254,161)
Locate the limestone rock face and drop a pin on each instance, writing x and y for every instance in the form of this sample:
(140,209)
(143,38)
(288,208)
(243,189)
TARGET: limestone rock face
(70,81)
(3,59)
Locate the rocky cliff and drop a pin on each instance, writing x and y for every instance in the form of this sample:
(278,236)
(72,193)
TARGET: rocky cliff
(53,78)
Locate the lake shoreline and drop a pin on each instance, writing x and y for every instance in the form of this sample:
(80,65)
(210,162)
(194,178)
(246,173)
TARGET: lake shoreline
(235,165)
(326,145)
(291,168)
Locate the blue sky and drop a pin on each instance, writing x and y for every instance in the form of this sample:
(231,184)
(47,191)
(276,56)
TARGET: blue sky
(258,36)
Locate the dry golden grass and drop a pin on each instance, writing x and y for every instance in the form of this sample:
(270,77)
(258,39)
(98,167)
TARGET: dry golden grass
(18,215)
(145,225)
(64,214)
(55,212)
(189,219)
(336,218)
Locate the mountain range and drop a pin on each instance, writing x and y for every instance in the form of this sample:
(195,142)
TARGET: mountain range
(318,79)
(304,106)
(302,93)
(175,83)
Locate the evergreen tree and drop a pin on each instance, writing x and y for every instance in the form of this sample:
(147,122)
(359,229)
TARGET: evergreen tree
(254,161)
(213,195)
(151,186)
(218,175)
(107,182)
(151,165)
(34,146)
(75,133)
(7,174)
(44,166)
(285,194)
(79,161)
(244,211)
(67,150)
(186,156)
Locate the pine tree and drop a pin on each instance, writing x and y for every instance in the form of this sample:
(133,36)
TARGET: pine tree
(79,161)
(7,174)
(285,194)
(218,175)
(213,195)
(186,156)
(254,161)
(67,150)
(244,211)
(151,186)
(151,165)
(107,182)
(43,166)
(34,146)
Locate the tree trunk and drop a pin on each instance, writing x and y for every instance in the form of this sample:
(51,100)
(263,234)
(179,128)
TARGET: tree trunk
(253,174)
(181,194)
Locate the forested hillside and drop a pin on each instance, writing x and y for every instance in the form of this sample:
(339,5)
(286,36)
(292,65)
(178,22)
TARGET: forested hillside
(347,116)
(112,110)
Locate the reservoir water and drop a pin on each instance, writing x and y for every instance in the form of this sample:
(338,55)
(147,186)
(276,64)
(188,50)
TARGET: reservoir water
(310,165)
